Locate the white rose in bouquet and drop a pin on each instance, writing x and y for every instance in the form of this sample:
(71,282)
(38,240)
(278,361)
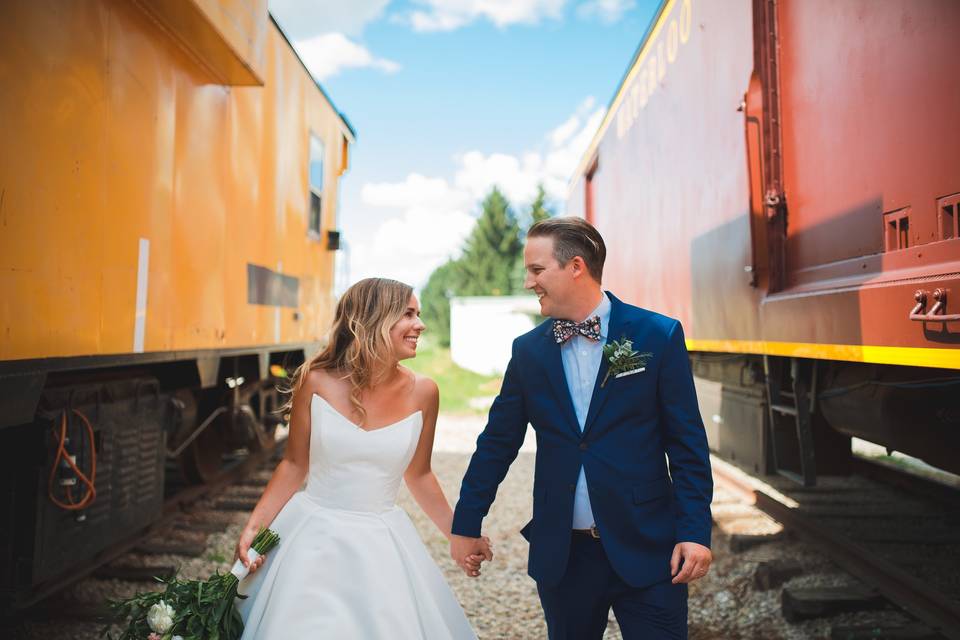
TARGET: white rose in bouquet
(160,617)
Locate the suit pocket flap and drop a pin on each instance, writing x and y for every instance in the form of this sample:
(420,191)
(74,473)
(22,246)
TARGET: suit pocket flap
(651,491)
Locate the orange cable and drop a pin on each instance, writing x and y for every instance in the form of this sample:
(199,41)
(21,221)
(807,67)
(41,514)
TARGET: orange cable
(63,454)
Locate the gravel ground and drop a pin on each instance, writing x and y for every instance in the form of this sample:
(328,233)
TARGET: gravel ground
(503,603)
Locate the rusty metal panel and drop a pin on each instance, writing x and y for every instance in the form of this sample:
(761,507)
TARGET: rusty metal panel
(869,104)
(760,225)
(671,190)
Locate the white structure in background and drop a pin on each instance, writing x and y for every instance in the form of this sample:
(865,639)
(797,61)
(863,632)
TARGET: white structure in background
(482,329)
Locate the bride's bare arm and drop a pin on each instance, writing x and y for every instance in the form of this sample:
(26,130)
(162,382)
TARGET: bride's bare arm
(422,482)
(287,478)
(419,476)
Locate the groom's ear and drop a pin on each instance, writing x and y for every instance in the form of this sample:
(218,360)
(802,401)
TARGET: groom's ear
(578,267)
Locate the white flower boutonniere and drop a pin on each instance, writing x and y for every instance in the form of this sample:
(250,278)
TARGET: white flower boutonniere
(623,359)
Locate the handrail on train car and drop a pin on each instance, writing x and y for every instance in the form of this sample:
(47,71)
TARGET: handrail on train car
(940,295)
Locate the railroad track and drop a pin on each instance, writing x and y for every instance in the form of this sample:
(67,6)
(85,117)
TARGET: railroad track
(181,532)
(898,535)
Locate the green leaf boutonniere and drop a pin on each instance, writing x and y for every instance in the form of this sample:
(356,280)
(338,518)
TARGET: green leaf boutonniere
(623,359)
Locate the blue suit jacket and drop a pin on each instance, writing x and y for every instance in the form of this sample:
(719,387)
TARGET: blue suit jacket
(640,510)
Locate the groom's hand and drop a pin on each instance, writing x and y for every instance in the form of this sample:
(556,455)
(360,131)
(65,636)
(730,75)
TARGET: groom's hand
(696,562)
(469,553)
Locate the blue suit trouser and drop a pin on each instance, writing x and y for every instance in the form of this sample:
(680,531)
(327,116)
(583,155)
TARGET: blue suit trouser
(578,606)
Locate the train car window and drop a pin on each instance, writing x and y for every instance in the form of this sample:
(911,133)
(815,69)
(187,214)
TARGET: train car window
(896,229)
(948,212)
(317,151)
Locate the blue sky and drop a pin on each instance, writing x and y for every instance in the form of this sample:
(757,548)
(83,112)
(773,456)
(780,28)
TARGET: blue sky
(450,97)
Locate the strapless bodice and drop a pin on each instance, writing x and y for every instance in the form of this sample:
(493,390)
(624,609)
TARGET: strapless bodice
(353,469)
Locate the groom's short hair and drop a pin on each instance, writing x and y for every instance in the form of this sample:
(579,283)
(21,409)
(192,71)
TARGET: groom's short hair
(573,236)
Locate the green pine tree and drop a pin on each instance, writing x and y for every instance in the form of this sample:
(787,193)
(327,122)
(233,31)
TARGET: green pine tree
(444,283)
(492,250)
(538,209)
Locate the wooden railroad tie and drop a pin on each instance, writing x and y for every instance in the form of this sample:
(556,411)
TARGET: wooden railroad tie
(742,541)
(212,525)
(819,602)
(771,574)
(911,631)
(135,574)
(189,548)
(75,611)
(235,504)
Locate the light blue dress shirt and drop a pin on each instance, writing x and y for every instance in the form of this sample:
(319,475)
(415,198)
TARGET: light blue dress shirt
(581,363)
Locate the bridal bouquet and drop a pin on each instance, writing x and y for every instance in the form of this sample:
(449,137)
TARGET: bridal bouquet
(190,609)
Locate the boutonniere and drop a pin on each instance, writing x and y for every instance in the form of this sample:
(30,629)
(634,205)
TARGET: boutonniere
(623,359)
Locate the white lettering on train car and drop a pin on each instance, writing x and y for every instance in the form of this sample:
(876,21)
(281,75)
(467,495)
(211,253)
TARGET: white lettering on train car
(651,68)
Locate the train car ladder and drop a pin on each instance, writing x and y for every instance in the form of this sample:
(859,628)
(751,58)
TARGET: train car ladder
(791,402)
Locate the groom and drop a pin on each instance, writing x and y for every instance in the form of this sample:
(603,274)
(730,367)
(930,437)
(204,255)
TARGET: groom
(611,527)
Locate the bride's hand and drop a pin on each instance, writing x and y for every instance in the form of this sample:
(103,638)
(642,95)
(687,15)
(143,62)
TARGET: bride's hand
(485,553)
(487,547)
(243,546)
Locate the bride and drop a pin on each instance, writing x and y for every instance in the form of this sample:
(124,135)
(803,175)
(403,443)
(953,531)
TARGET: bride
(350,563)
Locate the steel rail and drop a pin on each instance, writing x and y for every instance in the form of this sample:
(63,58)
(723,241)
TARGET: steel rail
(898,586)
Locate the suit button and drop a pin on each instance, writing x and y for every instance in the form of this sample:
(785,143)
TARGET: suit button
(583,446)
(573,487)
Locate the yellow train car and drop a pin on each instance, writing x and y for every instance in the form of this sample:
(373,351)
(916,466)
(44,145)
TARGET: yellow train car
(168,227)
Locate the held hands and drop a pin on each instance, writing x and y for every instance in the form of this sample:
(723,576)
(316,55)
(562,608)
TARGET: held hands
(696,562)
(243,546)
(470,553)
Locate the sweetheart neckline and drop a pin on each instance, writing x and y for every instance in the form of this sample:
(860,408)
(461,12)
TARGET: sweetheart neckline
(358,427)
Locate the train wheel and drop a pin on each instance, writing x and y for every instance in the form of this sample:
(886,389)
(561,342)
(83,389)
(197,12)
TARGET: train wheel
(265,430)
(203,460)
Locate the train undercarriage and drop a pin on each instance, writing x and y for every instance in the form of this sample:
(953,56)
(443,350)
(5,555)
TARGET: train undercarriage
(107,442)
(796,416)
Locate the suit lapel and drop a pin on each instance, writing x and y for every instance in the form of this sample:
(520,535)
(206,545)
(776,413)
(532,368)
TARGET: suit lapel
(553,363)
(618,327)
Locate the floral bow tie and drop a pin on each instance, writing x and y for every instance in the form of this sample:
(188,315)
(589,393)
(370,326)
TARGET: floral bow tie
(563,330)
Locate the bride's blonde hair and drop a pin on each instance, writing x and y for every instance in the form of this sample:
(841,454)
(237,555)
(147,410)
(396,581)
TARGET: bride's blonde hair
(359,347)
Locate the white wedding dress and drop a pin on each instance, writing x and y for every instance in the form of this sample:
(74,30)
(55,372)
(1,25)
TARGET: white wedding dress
(350,564)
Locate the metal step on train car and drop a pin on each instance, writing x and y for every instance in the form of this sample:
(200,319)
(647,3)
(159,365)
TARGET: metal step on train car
(783,176)
(168,221)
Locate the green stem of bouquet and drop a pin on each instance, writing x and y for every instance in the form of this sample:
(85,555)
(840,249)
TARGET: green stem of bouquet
(206,611)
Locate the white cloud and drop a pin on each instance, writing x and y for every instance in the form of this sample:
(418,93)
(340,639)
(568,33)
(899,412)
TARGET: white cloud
(327,54)
(427,218)
(302,19)
(428,224)
(608,11)
(416,191)
(551,166)
(446,15)
(569,127)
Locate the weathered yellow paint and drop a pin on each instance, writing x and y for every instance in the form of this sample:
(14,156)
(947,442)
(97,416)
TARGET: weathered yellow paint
(113,133)
(914,357)
(226,37)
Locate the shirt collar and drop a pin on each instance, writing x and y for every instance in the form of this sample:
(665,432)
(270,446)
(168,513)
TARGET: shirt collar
(602,310)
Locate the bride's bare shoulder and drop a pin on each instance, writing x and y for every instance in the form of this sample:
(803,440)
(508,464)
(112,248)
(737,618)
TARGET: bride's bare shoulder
(321,382)
(425,390)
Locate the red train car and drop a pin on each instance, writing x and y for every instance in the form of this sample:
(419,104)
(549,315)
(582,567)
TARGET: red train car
(783,176)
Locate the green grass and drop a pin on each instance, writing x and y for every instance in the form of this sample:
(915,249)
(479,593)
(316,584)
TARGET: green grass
(457,385)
